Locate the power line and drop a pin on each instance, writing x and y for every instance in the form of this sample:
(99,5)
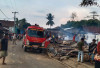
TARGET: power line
(8,5)
(4,13)
(11,4)
(15,5)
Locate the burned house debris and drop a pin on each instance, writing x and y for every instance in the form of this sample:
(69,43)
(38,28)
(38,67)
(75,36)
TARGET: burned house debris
(68,48)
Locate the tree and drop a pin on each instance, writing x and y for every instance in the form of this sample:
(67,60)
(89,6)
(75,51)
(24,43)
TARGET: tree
(80,24)
(16,22)
(22,24)
(89,3)
(50,18)
(26,25)
(73,16)
(93,16)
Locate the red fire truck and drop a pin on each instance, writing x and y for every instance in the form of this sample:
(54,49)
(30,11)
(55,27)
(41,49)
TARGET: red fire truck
(36,38)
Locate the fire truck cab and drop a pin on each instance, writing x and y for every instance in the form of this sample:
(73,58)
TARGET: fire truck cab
(36,38)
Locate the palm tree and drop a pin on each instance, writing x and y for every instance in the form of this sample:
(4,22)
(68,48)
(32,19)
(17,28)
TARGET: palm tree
(50,18)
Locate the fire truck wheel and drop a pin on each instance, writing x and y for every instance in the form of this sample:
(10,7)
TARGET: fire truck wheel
(25,49)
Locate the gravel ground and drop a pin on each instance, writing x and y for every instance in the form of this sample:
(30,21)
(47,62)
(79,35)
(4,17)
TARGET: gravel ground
(17,58)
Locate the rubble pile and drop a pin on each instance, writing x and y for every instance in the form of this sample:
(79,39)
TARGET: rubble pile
(63,51)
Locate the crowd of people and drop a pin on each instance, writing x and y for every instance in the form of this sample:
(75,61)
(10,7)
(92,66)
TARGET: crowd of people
(13,37)
(93,52)
(17,36)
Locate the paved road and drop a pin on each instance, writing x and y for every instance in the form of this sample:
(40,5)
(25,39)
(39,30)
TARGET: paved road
(17,58)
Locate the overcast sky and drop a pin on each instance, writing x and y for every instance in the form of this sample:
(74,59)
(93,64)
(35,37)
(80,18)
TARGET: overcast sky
(35,11)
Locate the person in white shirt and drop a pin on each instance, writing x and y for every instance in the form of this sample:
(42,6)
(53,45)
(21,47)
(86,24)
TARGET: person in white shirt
(14,39)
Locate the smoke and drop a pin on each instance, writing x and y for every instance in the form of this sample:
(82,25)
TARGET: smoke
(89,37)
(67,37)
(68,34)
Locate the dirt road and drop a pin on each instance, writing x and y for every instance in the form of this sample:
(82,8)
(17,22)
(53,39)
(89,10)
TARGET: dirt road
(17,58)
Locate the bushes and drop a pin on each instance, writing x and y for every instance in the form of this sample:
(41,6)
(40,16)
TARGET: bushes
(78,24)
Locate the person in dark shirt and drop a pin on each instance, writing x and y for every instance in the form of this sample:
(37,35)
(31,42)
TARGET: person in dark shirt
(80,50)
(92,47)
(4,48)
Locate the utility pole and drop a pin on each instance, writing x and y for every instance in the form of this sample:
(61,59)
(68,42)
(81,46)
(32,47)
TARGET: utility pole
(14,20)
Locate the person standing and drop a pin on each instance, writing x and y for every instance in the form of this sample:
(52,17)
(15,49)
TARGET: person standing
(74,38)
(97,56)
(92,47)
(14,39)
(4,48)
(80,50)
(53,37)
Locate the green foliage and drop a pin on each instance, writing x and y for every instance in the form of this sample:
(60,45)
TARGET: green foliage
(50,23)
(88,3)
(79,24)
(26,25)
(22,24)
(50,18)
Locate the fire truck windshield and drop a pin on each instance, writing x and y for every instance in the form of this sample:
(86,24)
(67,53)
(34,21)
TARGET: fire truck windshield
(36,33)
